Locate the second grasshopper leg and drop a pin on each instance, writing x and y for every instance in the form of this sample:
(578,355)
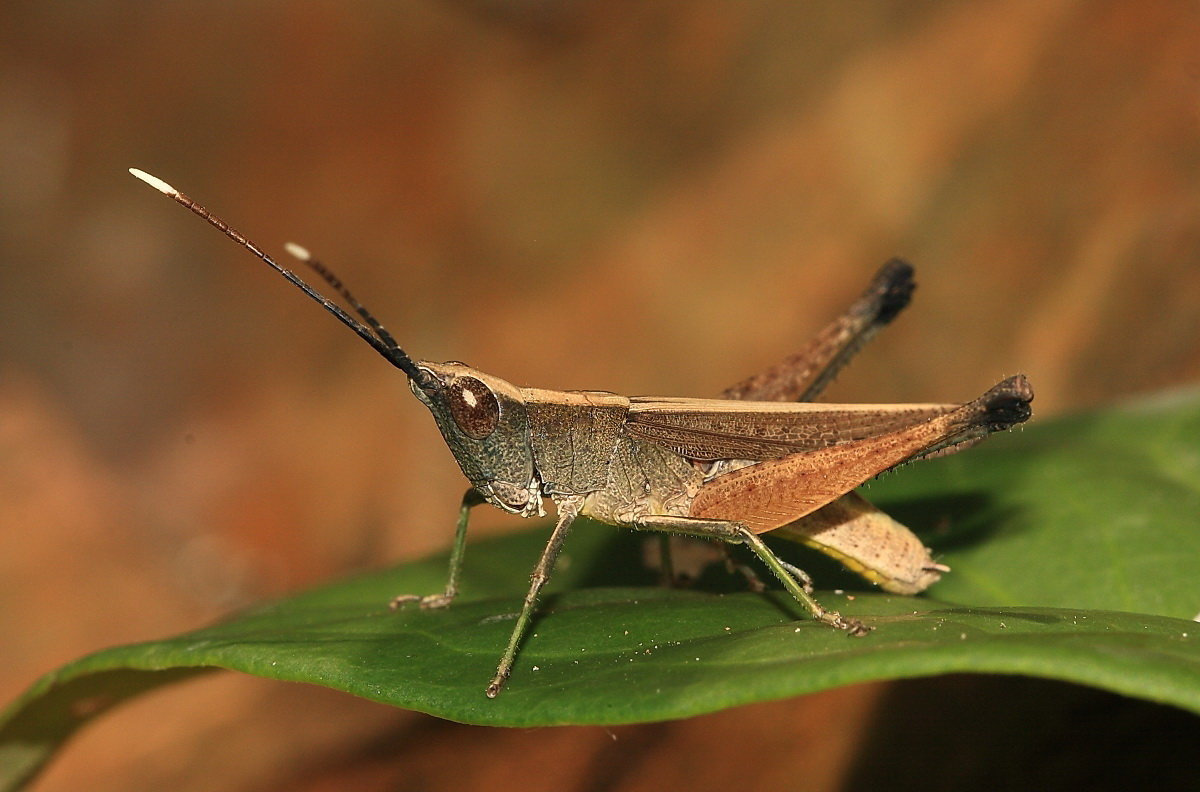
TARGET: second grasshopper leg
(470,500)
(568,508)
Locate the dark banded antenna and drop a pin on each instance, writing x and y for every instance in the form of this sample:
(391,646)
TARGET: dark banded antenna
(373,332)
(335,283)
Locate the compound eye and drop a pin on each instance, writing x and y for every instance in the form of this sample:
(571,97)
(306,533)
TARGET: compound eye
(473,407)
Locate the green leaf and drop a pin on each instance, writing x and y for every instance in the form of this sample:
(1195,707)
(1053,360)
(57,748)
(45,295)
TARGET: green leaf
(1073,544)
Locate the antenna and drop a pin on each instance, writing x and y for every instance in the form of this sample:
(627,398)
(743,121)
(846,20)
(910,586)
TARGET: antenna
(373,332)
(335,283)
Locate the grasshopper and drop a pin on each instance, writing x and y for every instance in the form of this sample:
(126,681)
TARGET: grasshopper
(761,458)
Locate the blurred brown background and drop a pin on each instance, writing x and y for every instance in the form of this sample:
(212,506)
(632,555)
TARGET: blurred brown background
(626,196)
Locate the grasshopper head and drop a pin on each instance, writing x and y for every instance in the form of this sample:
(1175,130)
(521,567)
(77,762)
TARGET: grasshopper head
(483,420)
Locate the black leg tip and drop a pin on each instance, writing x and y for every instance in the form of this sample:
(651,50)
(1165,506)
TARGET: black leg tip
(1007,404)
(894,285)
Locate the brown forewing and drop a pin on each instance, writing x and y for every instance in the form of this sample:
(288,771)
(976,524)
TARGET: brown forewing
(711,429)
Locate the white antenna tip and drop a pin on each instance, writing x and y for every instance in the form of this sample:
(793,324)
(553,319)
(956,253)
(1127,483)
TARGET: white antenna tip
(297,251)
(154,182)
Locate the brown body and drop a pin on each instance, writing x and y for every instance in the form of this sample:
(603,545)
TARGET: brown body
(760,459)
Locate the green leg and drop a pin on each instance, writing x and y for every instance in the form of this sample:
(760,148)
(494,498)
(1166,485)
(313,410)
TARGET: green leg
(568,508)
(736,533)
(798,590)
(470,500)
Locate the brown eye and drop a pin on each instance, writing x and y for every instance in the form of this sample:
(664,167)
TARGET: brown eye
(473,406)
